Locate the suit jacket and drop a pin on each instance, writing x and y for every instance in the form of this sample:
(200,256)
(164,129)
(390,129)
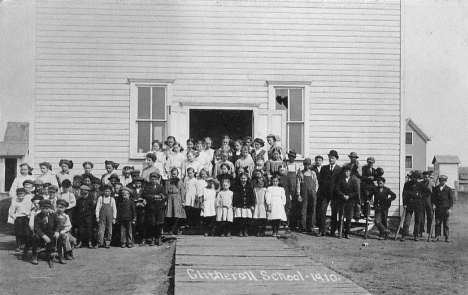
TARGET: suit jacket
(349,188)
(47,224)
(381,199)
(317,172)
(442,199)
(328,181)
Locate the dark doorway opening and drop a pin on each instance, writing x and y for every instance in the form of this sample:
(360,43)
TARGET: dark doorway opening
(10,172)
(217,123)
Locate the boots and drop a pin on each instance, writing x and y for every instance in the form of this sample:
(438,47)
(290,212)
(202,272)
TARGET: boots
(60,259)
(34,259)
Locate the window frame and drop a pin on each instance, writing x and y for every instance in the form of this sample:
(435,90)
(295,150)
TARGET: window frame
(134,85)
(412,161)
(412,137)
(305,86)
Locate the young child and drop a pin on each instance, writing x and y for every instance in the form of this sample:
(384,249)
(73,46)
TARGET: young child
(155,196)
(65,166)
(190,162)
(47,176)
(260,211)
(192,206)
(110,167)
(66,240)
(224,211)
(225,173)
(175,191)
(245,162)
(273,164)
(84,215)
(243,202)
(18,214)
(208,206)
(25,174)
(276,200)
(106,214)
(140,204)
(383,198)
(127,217)
(258,152)
(286,184)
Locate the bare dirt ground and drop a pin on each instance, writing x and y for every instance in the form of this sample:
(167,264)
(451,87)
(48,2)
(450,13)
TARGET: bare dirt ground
(394,267)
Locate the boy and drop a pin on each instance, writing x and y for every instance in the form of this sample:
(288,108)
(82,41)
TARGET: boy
(52,190)
(84,213)
(106,214)
(442,202)
(35,210)
(155,196)
(39,188)
(28,186)
(127,216)
(348,194)
(66,239)
(68,196)
(18,214)
(383,198)
(328,180)
(140,204)
(307,186)
(47,229)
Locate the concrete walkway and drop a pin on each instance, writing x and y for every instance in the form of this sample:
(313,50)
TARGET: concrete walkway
(251,265)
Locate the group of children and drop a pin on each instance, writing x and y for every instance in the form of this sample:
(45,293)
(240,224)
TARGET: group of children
(236,189)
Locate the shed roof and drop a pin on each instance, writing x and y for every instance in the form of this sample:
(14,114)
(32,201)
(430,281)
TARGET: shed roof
(16,140)
(418,130)
(443,159)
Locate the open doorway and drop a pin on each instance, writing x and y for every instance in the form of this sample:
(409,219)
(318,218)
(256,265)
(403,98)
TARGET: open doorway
(10,172)
(217,123)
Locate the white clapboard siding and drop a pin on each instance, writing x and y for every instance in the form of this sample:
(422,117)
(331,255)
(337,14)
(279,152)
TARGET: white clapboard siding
(218,52)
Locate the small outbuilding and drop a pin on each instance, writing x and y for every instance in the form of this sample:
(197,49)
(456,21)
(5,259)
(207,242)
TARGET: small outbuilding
(446,165)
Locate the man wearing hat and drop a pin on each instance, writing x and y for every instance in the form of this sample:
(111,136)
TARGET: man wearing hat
(306,188)
(442,201)
(427,206)
(84,213)
(317,167)
(413,192)
(328,180)
(348,192)
(46,231)
(356,171)
(368,177)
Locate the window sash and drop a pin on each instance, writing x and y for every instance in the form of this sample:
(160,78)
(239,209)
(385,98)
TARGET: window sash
(409,162)
(409,138)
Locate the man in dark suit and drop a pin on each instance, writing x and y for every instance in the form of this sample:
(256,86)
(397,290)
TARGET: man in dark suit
(347,190)
(329,175)
(317,168)
(47,229)
(442,201)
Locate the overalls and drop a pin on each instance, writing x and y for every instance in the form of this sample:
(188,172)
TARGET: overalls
(105,221)
(309,200)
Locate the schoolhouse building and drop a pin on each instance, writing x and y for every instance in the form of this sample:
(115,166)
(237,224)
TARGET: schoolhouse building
(111,76)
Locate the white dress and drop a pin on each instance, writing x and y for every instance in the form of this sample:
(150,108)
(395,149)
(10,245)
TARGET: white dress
(260,211)
(276,199)
(175,160)
(190,186)
(224,210)
(48,178)
(205,161)
(209,203)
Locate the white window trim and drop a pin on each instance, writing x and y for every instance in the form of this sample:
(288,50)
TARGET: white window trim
(305,85)
(412,161)
(134,84)
(412,137)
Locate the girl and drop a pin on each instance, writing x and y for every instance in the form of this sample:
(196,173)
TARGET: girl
(25,174)
(201,185)
(175,199)
(190,162)
(208,206)
(88,168)
(110,167)
(273,165)
(160,156)
(260,211)
(192,207)
(176,159)
(65,165)
(203,157)
(225,173)
(245,162)
(272,141)
(243,202)
(18,214)
(208,149)
(275,199)
(247,141)
(224,212)
(237,152)
(190,145)
(170,142)
(258,152)
(46,176)
(287,185)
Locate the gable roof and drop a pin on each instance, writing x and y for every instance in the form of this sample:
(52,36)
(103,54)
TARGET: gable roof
(418,130)
(442,159)
(16,140)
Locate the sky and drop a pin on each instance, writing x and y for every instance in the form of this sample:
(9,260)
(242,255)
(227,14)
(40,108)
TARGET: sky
(435,68)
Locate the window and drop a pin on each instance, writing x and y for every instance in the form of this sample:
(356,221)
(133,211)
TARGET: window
(409,162)
(149,110)
(409,137)
(293,99)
